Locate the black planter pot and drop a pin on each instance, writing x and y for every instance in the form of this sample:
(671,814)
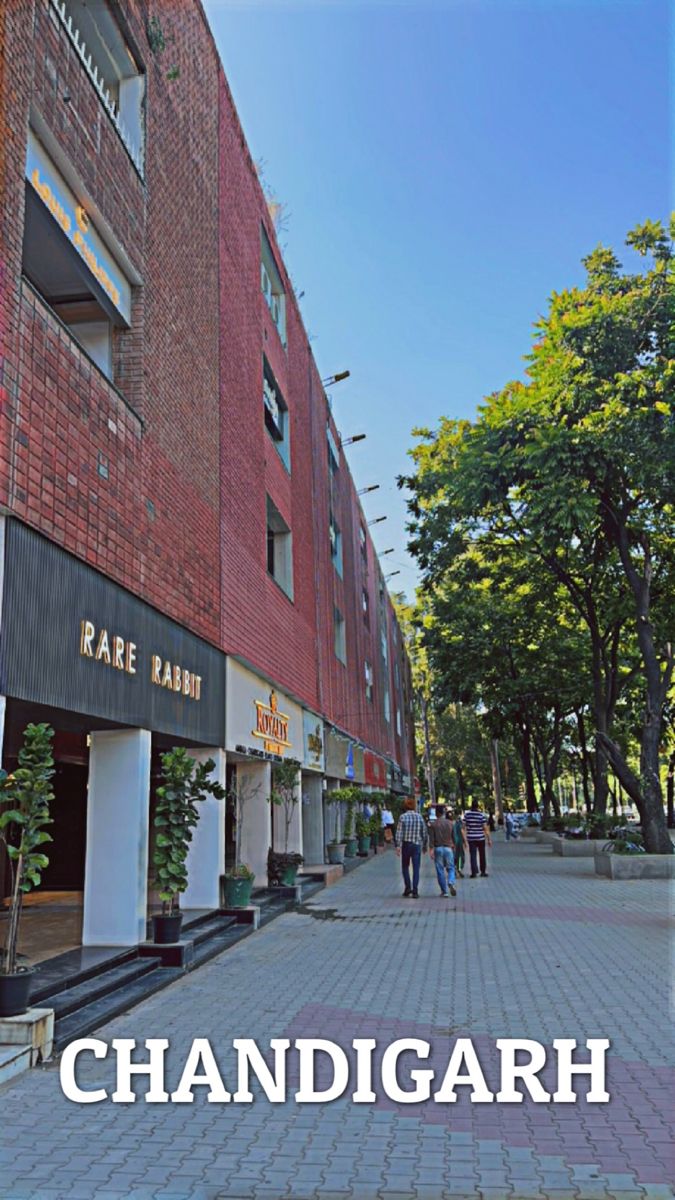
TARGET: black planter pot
(15,993)
(166,929)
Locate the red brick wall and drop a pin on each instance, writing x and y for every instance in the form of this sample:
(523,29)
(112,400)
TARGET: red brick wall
(152,524)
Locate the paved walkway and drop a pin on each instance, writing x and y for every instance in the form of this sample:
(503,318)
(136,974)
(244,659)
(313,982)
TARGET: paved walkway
(542,949)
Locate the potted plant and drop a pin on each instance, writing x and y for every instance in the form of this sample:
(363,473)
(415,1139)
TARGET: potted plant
(25,797)
(351,843)
(282,868)
(185,784)
(375,826)
(336,848)
(238,882)
(363,833)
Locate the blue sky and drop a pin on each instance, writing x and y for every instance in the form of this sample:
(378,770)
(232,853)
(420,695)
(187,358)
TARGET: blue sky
(445,166)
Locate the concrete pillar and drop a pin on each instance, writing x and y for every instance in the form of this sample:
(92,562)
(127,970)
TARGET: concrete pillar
(312,819)
(295,826)
(206,856)
(116,865)
(254,786)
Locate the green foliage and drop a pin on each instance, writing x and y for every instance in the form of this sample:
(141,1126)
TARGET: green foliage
(362,825)
(185,785)
(545,529)
(25,797)
(285,791)
(350,796)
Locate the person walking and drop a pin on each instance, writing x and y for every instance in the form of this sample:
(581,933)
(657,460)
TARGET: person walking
(387,825)
(458,840)
(508,824)
(476,834)
(411,841)
(441,850)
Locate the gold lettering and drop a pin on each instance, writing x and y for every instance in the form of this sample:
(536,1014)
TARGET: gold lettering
(167,678)
(103,647)
(131,658)
(87,632)
(156,668)
(118,653)
(177,679)
(187,682)
(198,686)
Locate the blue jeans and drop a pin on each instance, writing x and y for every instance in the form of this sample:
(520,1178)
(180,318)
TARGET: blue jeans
(411,852)
(444,860)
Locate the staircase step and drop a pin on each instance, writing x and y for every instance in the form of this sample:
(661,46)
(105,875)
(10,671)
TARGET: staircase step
(13,1060)
(208,929)
(57,975)
(216,945)
(91,1016)
(72,998)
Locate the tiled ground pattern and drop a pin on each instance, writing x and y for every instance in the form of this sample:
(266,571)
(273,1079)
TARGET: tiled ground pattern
(542,949)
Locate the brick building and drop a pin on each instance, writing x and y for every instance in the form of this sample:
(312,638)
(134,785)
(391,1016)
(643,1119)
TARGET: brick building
(183,549)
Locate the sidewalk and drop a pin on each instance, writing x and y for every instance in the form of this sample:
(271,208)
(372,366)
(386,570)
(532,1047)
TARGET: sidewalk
(542,949)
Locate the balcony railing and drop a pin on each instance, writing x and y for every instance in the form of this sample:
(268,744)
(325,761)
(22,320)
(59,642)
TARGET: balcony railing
(133,150)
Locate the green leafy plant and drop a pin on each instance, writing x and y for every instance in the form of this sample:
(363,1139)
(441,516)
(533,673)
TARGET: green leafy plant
(349,796)
(185,784)
(25,796)
(285,792)
(362,825)
(241,871)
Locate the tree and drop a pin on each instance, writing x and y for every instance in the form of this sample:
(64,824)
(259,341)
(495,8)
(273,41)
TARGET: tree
(576,469)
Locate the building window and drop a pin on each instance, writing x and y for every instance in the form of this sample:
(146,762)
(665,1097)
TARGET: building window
(333,452)
(335,536)
(369,681)
(398,721)
(363,543)
(67,261)
(387,705)
(279,549)
(340,635)
(272,287)
(365,605)
(276,415)
(384,645)
(111,66)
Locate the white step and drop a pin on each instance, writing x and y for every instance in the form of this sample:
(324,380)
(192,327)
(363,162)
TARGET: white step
(13,1060)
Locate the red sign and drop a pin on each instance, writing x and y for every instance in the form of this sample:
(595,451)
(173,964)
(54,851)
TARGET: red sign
(375,770)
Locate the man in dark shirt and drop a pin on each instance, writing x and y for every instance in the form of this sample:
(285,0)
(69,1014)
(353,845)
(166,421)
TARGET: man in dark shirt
(476,833)
(441,847)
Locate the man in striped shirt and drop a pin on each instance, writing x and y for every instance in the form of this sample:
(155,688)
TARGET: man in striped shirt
(476,834)
(411,840)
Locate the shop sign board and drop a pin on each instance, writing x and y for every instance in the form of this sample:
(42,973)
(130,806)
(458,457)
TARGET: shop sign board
(262,722)
(74,640)
(344,757)
(73,220)
(375,771)
(313,758)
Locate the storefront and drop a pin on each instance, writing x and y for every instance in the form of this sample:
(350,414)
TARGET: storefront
(119,683)
(313,766)
(263,727)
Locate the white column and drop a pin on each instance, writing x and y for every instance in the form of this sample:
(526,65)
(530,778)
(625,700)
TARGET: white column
(312,819)
(206,856)
(116,865)
(254,784)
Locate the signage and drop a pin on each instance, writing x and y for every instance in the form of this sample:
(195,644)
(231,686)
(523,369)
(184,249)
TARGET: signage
(343,757)
(261,721)
(312,727)
(272,726)
(72,639)
(376,770)
(73,219)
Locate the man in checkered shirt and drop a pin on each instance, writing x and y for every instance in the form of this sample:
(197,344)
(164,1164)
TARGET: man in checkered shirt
(412,840)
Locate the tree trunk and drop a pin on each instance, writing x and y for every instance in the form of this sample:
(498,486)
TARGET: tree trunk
(670,791)
(649,805)
(427,751)
(524,742)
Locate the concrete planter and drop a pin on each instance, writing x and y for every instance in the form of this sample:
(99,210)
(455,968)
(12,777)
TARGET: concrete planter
(545,837)
(635,866)
(529,831)
(577,847)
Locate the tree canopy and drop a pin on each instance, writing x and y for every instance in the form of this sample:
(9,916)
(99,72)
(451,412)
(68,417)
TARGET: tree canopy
(544,528)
